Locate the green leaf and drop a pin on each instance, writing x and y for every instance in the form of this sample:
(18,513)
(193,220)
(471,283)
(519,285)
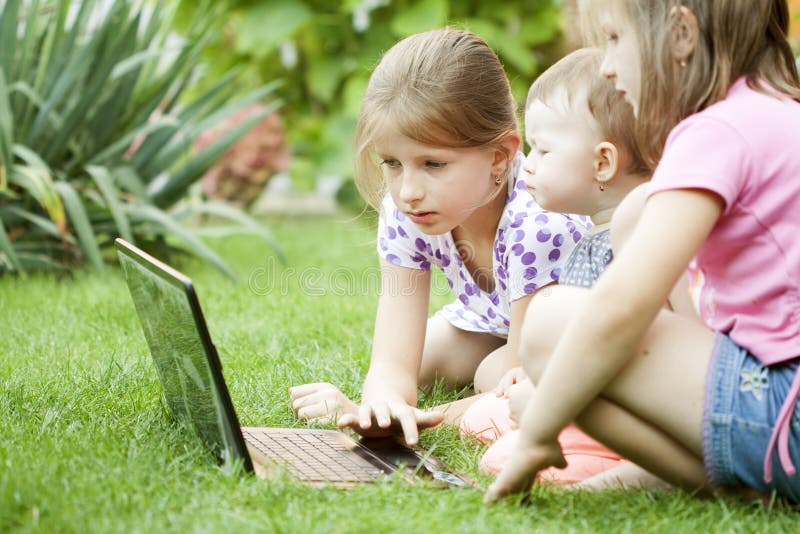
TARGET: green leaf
(518,55)
(147,213)
(80,221)
(43,58)
(102,178)
(46,226)
(105,47)
(170,190)
(9,15)
(8,250)
(324,77)
(338,140)
(421,16)
(36,180)
(127,179)
(169,154)
(247,224)
(541,28)
(6,134)
(354,89)
(26,54)
(486,30)
(119,147)
(267,24)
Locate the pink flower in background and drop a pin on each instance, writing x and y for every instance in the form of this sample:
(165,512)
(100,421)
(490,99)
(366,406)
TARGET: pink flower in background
(243,171)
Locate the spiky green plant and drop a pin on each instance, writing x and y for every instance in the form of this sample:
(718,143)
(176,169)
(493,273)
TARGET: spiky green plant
(95,139)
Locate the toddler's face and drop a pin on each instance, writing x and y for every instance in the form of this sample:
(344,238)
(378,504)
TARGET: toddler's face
(621,61)
(560,165)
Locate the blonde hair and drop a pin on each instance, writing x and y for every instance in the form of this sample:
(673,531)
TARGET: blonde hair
(443,88)
(736,38)
(577,75)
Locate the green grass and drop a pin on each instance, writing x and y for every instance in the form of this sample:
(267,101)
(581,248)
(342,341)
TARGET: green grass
(86,445)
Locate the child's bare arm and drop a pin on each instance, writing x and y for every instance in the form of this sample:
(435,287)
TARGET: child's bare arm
(610,326)
(389,396)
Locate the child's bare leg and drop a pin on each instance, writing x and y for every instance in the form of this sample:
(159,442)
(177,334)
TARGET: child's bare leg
(625,475)
(454,355)
(630,435)
(651,413)
(450,354)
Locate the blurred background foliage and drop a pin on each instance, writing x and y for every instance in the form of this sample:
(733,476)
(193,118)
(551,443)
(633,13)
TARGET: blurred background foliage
(112,110)
(325,50)
(97,132)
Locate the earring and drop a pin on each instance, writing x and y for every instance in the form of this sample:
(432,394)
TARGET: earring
(498,180)
(601,185)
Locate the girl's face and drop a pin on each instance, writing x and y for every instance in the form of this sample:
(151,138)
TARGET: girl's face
(437,188)
(621,61)
(560,166)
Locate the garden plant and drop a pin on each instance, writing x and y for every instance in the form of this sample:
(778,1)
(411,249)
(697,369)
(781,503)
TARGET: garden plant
(96,131)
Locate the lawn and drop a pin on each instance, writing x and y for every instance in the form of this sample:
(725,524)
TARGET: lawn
(86,444)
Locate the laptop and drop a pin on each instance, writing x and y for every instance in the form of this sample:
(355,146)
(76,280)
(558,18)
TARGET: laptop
(194,388)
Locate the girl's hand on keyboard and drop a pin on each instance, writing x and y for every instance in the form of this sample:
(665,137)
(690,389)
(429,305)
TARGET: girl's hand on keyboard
(382,418)
(320,403)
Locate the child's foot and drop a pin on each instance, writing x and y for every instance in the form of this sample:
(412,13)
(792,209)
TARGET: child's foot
(320,402)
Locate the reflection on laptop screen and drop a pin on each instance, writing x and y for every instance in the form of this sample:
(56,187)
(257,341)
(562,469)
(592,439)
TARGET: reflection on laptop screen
(167,320)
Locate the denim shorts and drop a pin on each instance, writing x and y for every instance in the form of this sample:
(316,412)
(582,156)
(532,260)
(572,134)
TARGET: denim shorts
(743,400)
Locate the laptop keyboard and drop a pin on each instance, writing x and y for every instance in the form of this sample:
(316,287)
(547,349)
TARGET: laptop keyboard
(314,456)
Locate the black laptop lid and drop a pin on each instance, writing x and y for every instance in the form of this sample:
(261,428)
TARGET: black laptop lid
(186,360)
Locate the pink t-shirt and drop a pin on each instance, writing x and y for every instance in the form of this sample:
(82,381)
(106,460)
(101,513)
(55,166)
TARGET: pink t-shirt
(746,275)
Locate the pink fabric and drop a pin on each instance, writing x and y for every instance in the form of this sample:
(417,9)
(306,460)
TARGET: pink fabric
(580,465)
(488,419)
(746,275)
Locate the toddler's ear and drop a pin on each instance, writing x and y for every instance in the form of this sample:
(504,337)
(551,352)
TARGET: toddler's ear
(606,162)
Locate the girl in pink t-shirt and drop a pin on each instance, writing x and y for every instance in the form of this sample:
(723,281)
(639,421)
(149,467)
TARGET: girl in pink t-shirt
(715,90)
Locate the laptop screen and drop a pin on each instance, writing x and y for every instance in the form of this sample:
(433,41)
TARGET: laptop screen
(175,330)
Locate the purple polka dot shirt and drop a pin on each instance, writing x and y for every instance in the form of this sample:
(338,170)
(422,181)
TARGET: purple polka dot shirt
(530,248)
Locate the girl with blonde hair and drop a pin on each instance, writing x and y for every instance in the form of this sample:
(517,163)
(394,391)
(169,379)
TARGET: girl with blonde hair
(437,141)
(715,91)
